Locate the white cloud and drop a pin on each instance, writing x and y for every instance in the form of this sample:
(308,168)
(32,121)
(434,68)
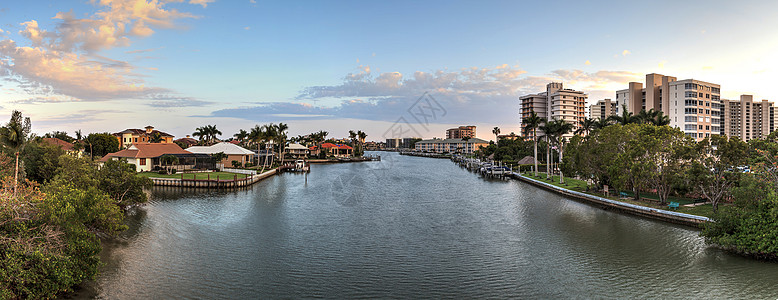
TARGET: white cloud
(204,3)
(625,52)
(64,61)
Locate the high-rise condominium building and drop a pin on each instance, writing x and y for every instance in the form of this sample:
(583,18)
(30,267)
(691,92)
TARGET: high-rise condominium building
(602,109)
(461,132)
(747,119)
(556,103)
(692,105)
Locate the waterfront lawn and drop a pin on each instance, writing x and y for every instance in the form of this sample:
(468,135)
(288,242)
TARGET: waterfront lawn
(705,210)
(213,175)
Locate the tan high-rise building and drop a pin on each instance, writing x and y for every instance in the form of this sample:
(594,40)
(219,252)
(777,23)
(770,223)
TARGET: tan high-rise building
(655,95)
(747,119)
(461,132)
(602,109)
(556,103)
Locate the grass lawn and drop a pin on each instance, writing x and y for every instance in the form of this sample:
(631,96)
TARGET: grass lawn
(705,210)
(213,175)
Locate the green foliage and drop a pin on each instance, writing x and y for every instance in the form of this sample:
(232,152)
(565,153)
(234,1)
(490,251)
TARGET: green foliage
(60,135)
(101,144)
(41,160)
(117,179)
(236,164)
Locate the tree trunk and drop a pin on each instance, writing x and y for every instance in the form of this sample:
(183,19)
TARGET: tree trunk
(548,159)
(561,176)
(16,173)
(535,139)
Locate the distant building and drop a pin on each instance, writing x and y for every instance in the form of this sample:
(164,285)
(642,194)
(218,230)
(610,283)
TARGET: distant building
(460,132)
(338,150)
(747,119)
(297,150)
(603,109)
(556,103)
(394,143)
(511,136)
(131,136)
(450,145)
(186,142)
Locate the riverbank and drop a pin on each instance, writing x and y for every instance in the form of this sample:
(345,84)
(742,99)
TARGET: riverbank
(643,211)
(422,154)
(216,182)
(353,159)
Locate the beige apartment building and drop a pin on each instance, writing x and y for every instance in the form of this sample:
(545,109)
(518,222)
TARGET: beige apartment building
(602,109)
(747,119)
(461,132)
(556,103)
(694,106)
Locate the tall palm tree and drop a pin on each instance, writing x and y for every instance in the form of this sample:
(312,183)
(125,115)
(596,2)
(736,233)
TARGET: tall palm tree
(362,136)
(531,123)
(280,137)
(201,133)
(560,128)
(241,135)
(548,130)
(625,118)
(601,123)
(496,132)
(587,125)
(257,136)
(661,119)
(155,138)
(15,135)
(212,132)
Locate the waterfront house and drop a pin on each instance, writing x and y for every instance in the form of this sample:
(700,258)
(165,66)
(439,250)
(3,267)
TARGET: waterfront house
(314,150)
(186,142)
(337,150)
(132,136)
(146,156)
(450,145)
(296,150)
(233,152)
(67,147)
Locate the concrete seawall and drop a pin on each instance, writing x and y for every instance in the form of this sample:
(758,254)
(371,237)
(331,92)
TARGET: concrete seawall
(213,183)
(648,212)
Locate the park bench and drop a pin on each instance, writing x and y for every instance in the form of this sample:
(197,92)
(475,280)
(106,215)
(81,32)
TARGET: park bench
(673,205)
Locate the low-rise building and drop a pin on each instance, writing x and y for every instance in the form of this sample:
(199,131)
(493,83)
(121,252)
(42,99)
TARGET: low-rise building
(146,156)
(467,145)
(297,150)
(337,150)
(233,152)
(67,147)
(131,136)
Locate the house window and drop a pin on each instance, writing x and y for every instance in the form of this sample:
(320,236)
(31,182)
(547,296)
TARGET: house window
(142,161)
(136,140)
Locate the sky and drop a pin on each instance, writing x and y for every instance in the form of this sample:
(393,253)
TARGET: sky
(375,66)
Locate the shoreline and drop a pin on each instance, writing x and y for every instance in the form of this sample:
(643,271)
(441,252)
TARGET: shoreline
(608,204)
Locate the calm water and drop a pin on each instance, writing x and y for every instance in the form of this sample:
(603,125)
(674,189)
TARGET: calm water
(409,227)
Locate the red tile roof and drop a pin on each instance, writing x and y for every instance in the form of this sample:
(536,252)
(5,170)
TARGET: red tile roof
(142,132)
(339,146)
(147,150)
(57,142)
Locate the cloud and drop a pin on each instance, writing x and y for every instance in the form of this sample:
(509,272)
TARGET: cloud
(625,52)
(168,101)
(587,62)
(253,1)
(64,61)
(204,3)
(246,28)
(142,50)
(468,95)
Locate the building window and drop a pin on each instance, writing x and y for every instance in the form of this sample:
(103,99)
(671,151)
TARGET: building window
(142,161)
(136,140)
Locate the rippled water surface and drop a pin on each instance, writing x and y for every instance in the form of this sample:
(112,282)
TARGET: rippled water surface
(409,227)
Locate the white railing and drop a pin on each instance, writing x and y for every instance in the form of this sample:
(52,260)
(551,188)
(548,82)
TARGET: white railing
(240,171)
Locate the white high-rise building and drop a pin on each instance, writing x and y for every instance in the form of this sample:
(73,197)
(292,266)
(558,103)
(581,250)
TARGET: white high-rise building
(556,103)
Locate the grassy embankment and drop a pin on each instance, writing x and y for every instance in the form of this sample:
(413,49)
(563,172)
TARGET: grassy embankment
(647,199)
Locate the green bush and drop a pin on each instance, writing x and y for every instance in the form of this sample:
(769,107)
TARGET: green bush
(173,171)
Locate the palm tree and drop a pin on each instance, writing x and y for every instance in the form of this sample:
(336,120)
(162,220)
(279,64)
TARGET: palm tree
(15,135)
(167,160)
(625,118)
(155,138)
(561,127)
(280,137)
(241,135)
(257,136)
(212,132)
(200,133)
(548,130)
(661,119)
(496,132)
(362,136)
(587,125)
(218,157)
(601,123)
(531,123)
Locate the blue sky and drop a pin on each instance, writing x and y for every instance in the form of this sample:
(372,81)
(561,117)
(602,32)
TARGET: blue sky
(107,65)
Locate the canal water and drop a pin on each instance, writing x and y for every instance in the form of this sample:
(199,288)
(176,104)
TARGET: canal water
(408,227)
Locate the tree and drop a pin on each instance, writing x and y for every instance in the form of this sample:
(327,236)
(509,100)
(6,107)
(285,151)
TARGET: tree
(715,170)
(101,144)
(212,133)
(15,135)
(667,153)
(155,138)
(601,123)
(362,136)
(625,118)
(280,138)
(120,181)
(556,130)
(547,129)
(219,157)
(201,133)
(241,135)
(41,160)
(531,123)
(496,132)
(59,135)
(168,160)
(586,126)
